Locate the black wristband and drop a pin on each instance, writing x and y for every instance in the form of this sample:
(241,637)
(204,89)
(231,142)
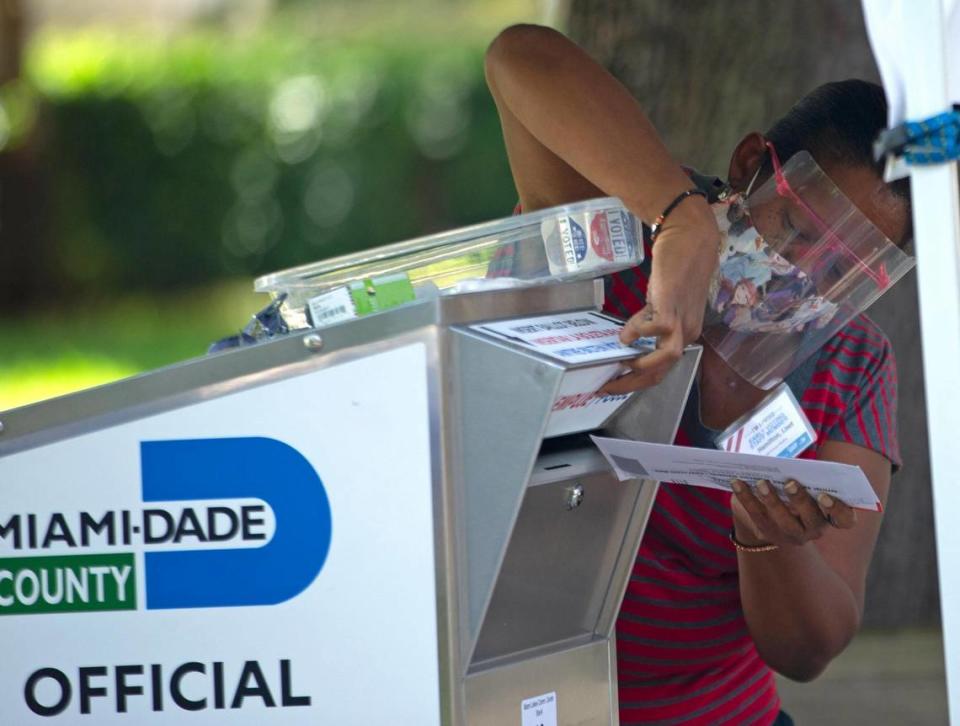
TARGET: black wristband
(657,225)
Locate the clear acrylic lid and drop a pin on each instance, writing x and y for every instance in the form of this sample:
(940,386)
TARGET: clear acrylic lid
(581,240)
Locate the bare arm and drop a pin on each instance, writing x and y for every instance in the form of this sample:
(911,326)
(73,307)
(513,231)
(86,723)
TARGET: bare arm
(572,129)
(803,603)
(572,132)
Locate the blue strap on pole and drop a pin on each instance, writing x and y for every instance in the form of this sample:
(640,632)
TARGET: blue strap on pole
(935,140)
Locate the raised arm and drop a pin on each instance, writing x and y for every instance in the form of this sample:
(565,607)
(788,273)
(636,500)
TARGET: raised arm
(572,132)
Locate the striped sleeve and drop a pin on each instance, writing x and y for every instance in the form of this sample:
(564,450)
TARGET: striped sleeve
(859,366)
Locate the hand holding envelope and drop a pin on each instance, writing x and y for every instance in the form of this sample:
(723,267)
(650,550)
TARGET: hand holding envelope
(761,518)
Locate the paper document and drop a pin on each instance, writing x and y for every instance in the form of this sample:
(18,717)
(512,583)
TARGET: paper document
(715,469)
(577,337)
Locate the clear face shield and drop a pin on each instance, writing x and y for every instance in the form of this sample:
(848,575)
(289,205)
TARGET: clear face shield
(798,261)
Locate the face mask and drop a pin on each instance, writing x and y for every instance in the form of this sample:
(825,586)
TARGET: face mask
(755,290)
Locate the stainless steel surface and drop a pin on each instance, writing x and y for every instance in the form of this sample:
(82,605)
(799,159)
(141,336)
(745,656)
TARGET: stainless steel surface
(654,414)
(452,493)
(313,342)
(536,300)
(532,585)
(556,572)
(446,553)
(620,572)
(646,417)
(583,677)
(452,512)
(567,461)
(564,577)
(503,401)
(573,496)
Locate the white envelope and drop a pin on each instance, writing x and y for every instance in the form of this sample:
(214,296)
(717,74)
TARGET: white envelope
(716,469)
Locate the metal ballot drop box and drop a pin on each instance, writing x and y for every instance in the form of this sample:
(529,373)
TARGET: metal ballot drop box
(395,519)
(525,543)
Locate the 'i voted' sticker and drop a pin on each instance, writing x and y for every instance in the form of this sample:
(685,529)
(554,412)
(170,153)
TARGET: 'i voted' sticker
(777,427)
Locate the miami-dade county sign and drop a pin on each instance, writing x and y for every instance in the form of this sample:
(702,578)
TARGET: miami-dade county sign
(263,557)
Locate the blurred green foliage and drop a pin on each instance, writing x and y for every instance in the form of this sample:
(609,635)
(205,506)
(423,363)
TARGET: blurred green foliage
(167,163)
(53,352)
(173,162)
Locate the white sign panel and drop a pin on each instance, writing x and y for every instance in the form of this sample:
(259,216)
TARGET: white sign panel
(243,560)
(717,469)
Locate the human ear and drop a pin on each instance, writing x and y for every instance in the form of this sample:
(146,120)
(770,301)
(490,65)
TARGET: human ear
(747,158)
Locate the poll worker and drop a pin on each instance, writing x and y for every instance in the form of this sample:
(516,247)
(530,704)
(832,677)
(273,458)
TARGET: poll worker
(727,590)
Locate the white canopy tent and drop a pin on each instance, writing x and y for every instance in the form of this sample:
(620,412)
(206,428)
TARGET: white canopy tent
(917,47)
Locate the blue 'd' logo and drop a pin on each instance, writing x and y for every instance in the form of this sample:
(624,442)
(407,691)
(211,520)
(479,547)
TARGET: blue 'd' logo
(235,468)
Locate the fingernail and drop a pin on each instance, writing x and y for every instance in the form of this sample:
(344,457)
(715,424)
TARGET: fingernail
(763,487)
(792,487)
(825,500)
(736,486)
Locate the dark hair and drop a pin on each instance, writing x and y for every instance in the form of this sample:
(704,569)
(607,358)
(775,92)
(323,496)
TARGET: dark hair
(837,123)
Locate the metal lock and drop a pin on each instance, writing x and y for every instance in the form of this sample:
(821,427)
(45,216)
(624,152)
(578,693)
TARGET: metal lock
(573,496)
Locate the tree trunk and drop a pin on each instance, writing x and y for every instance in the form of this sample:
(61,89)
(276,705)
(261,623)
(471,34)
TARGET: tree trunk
(22,198)
(709,72)
(11,39)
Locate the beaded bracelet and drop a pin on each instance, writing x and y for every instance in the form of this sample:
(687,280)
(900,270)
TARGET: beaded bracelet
(657,225)
(750,548)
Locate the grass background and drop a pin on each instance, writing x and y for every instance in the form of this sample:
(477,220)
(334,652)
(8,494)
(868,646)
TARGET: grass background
(52,352)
